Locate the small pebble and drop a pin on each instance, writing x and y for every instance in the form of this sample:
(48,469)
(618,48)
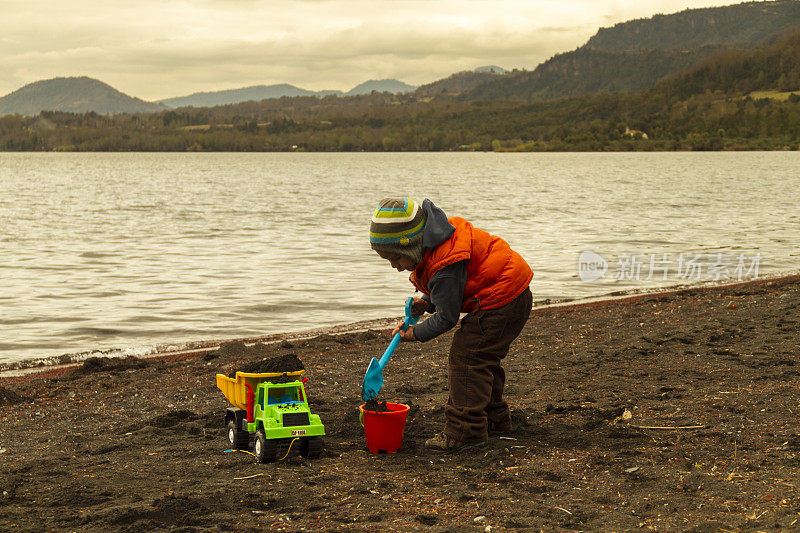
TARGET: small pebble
(479,519)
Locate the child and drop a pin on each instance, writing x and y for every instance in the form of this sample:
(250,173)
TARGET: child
(459,268)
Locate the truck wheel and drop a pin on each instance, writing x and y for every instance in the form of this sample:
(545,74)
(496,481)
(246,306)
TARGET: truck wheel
(264,449)
(237,437)
(311,447)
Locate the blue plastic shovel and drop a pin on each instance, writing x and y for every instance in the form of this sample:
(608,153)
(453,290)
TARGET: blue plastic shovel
(373,380)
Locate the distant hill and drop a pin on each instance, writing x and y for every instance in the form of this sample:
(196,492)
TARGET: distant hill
(635,55)
(263,92)
(233,96)
(492,68)
(460,83)
(586,71)
(381,86)
(73,95)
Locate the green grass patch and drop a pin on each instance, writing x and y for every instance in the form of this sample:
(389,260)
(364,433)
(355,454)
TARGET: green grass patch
(773,95)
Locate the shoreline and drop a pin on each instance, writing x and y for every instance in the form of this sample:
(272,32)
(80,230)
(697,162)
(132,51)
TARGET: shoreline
(669,412)
(58,364)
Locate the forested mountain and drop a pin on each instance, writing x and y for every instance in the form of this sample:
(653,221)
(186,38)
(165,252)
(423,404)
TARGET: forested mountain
(74,95)
(736,26)
(458,84)
(587,71)
(637,54)
(775,67)
(705,108)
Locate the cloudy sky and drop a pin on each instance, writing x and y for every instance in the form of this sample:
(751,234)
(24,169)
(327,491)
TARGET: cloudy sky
(157,49)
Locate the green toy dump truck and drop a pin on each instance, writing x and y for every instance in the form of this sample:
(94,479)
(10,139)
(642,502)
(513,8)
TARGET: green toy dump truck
(273,409)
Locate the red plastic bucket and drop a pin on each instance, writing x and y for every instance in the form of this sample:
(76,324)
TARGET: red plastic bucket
(384,431)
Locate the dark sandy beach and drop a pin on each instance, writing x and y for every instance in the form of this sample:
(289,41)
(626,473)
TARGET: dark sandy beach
(668,412)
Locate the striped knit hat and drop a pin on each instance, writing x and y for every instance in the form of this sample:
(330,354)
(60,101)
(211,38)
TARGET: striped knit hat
(396,228)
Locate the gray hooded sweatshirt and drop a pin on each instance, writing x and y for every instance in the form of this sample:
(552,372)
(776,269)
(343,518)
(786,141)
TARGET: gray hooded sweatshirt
(446,285)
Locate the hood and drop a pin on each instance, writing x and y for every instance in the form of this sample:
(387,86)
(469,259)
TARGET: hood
(437,228)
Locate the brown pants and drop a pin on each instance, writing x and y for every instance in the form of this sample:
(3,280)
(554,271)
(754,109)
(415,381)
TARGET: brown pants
(475,376)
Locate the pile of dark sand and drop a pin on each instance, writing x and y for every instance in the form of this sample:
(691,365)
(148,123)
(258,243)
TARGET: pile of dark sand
(375,406)
(106,364)
(272,364)
(9,397)
(283,363)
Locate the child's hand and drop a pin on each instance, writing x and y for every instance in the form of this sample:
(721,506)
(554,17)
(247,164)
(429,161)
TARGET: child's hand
(420,307)
(407,335)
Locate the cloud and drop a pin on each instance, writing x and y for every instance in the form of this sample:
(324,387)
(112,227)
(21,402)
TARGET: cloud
(342,59)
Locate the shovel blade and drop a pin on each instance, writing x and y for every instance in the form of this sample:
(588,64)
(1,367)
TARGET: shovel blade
(373,380)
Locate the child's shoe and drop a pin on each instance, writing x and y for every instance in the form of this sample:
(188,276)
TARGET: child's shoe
(500,429)
(444,443)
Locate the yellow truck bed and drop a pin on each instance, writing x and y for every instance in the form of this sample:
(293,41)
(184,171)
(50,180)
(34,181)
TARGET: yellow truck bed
(234,389)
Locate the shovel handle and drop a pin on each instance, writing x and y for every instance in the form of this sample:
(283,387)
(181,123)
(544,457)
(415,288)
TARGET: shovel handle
(389,350)
(407,321)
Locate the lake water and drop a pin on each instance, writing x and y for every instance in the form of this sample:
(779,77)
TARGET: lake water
(128,251)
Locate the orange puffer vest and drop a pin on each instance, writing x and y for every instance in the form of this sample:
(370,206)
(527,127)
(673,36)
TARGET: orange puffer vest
(496,274)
